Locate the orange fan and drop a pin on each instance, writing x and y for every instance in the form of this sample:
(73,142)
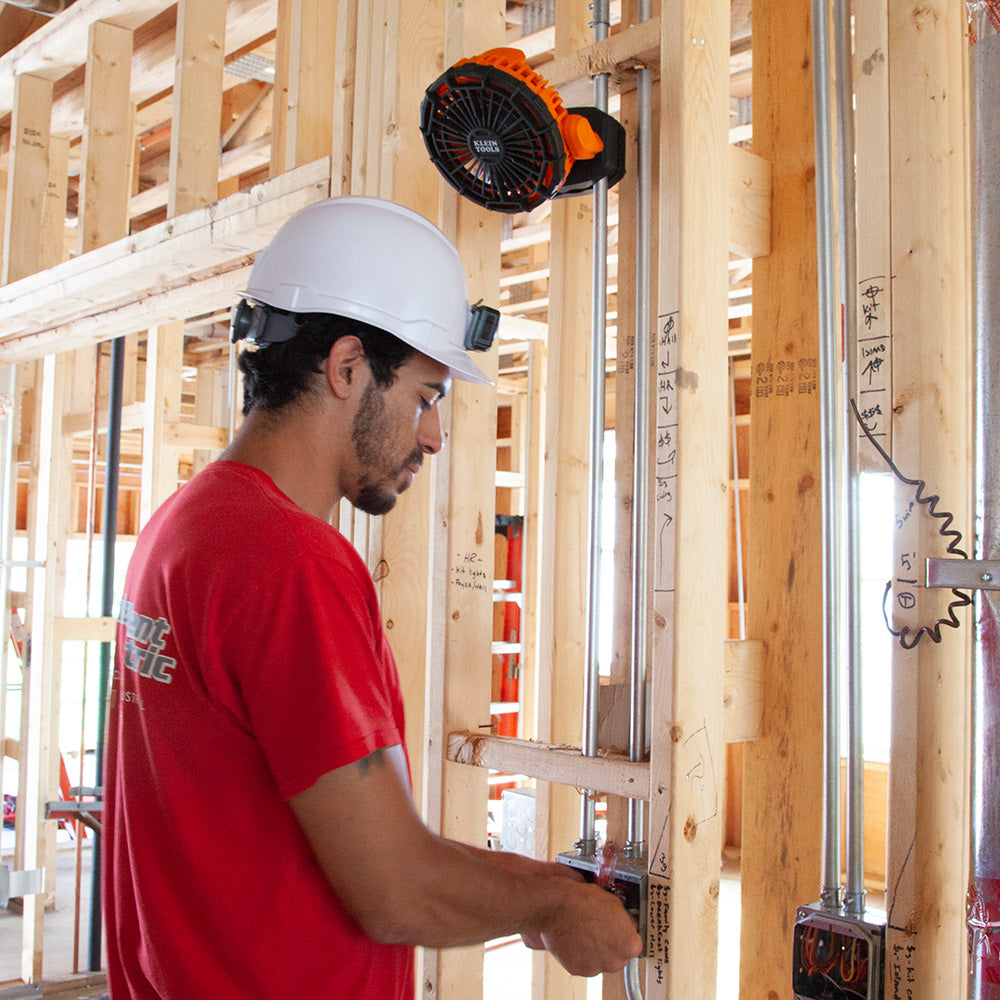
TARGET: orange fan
(501,137)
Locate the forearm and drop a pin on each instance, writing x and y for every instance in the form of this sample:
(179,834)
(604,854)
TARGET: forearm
(404,884)
(521,864)
(453,894)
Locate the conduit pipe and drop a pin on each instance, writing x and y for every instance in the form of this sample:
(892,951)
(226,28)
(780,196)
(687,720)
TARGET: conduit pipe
(635,845)
(829,343)
(984,889)
(598,343)
(854,894)
(109,535)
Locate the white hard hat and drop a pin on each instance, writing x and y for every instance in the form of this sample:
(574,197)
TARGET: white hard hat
(377,262)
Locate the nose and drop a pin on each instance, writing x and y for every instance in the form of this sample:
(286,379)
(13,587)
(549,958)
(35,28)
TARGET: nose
(429,431)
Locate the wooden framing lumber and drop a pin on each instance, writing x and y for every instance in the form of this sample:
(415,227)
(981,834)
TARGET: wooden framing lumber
(311,79)
(345,64)
(460,659)
(464,540)
(618,55)
(61,46)
(108,146)
(743,690)
(874,291)
(783,769)
(407,530)
(689,552)
(28,180)
(56,48)
(83,629)
(608,773)
(194,147)
(66,305)
(52,240)
(40,746)
(564,533)
(749,203)
(164,353)
(932,440)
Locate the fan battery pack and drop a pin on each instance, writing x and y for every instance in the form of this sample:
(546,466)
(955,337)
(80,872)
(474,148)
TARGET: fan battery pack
(837,957)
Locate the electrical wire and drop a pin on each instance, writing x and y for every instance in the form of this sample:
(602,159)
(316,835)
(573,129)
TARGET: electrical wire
(908,639)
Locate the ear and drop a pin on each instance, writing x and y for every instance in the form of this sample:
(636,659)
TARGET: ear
(344,364)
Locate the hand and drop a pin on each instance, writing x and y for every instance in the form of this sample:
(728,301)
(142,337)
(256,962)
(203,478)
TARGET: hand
(551,869)
(591,932)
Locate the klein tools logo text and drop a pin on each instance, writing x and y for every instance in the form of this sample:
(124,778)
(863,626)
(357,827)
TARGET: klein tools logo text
(145,639)
(486,147)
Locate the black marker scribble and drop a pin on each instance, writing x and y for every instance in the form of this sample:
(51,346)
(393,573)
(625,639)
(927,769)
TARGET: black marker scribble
(908,639)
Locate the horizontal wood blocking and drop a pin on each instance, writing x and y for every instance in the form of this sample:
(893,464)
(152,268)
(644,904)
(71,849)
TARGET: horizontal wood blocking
(84,629)
(620,56)
(749,203)
(742,689)
(566,765)
(611,771)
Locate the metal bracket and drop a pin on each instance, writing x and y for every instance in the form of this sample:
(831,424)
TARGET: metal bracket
(20,883)
(88,813)
(964,574)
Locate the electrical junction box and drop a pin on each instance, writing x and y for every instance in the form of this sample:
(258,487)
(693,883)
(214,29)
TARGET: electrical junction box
(518,825)
(628,879)
(836,956)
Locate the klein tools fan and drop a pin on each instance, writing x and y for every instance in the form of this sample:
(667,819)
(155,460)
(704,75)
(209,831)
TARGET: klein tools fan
(501,137)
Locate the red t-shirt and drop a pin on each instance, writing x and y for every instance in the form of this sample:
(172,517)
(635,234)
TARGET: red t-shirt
(250,661)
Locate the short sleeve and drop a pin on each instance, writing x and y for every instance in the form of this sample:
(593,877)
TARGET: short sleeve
(315,674)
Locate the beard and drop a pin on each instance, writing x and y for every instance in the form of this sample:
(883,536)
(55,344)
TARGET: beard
(380,483)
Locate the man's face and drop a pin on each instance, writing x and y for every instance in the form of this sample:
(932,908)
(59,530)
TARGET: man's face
(393,429)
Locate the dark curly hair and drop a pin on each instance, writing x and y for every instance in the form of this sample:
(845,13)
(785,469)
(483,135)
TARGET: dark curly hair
(278,374)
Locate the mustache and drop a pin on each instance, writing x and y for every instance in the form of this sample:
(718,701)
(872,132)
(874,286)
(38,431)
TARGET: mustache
(416,457)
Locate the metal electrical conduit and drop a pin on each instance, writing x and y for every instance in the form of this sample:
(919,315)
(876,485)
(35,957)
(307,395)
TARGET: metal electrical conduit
(598,349)
(839,465)
(829,314)
(588,839)
(854,893)
(983,914)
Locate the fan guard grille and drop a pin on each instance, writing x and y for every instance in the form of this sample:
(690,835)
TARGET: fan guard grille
(494,139)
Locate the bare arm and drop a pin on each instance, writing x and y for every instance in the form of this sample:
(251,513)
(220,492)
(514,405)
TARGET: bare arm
(402,883)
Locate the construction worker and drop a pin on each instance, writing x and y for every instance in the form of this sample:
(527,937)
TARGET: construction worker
(260,837)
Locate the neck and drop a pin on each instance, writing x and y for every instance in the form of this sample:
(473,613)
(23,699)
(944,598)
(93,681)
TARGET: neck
(297,451)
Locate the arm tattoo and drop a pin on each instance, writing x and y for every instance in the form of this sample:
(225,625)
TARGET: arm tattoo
(375,759)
